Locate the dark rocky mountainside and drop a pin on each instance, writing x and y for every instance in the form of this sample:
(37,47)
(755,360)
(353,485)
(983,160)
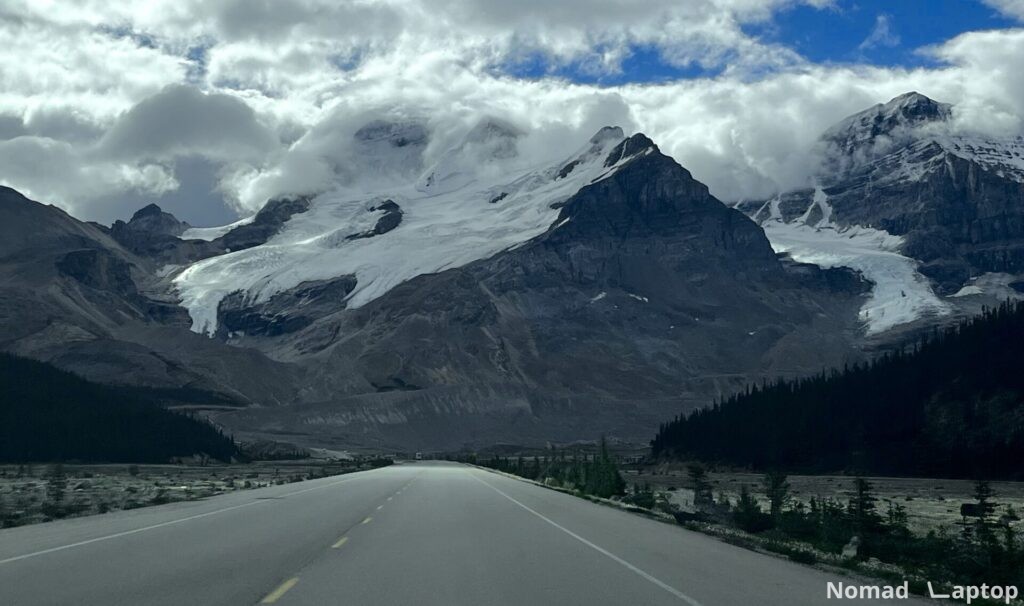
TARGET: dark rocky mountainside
(650,296)
(73,296)
(156,235)
(647,296)
(957,200)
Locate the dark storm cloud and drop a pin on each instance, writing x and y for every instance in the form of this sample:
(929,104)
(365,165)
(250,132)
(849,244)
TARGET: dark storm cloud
(182,120)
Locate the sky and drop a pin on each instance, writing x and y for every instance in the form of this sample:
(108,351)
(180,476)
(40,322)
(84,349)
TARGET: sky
(210,108)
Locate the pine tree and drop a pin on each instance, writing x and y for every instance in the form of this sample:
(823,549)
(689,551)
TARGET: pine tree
(983,493)
(747,513)
(5,512)
(776,486)
(898,519)
(862,508)
(700,485)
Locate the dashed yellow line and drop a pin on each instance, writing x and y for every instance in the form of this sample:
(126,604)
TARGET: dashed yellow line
(340,542)
(275,595)
(367,520)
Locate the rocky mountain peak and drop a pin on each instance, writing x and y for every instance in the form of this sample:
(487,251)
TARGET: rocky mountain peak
(490,129)
(606,133)
(395,133)
(149,210)
(866,136)
(152,219)
(917,105)
(638,144)
(908,110)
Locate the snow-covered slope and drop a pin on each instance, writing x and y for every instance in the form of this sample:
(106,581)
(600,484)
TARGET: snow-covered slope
(1003,156)
(915,205)
(899,293)
(212,233)
(905,140)
(462,209)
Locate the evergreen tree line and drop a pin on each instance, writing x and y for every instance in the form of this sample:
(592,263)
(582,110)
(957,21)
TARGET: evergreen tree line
(47,414)
(951,405)
(592,474)
(986,549)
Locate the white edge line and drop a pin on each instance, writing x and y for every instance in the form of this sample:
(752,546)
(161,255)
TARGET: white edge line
(160,525)
(679,594)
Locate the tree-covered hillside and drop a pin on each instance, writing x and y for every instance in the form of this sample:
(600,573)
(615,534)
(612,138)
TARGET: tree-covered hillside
(47,414)
(953,405)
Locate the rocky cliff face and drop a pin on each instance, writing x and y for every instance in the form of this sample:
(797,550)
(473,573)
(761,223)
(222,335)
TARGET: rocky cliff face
(646,296)
(70,294)
(597,296)
(898,179)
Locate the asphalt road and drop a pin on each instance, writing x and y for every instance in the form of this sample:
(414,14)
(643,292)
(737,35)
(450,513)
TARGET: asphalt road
(419,534)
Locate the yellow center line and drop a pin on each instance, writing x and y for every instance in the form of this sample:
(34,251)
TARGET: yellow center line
(340,542)
(275,595)
(367,520)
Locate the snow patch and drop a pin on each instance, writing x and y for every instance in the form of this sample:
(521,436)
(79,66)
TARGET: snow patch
(212,233)
(967,291)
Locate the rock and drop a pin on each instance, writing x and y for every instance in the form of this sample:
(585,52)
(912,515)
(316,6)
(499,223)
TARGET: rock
(265,225)
(520,347)
(851,549)
(152,219)
(391,219)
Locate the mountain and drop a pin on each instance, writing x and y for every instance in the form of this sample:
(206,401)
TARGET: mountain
(951,406)
(427,301)
(932,216)
(72,295)
(476,303)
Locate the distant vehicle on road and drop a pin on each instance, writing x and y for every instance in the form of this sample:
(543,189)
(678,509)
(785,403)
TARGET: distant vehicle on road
(419,456)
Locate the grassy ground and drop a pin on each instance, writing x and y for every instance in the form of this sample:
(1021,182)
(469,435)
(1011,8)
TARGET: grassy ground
(27,495)
(931,503)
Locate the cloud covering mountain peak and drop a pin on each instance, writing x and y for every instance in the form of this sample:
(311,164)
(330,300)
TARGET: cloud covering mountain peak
(131,103)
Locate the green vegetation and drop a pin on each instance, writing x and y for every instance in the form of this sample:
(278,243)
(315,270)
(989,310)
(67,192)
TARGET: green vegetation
(47,414)
(986,550)
(950,406)
(596,475)
(29,495)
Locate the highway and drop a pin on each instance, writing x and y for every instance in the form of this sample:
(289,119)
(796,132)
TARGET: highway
(420,534)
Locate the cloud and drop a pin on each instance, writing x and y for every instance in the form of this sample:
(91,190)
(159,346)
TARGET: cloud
(882,35)
(56,172)
(129,101)
(1010,8)
(182,120)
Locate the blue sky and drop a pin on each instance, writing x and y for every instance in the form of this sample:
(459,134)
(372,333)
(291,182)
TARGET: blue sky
(836,36)
(889,33)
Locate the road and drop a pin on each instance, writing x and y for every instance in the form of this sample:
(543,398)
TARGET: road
(421,534)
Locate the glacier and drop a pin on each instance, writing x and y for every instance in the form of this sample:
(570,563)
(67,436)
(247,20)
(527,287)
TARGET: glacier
(899,293)
(462,209)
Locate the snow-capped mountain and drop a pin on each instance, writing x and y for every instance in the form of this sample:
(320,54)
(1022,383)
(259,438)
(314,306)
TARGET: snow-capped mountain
(481,296)
(921,210)
(905,139)
(383,234)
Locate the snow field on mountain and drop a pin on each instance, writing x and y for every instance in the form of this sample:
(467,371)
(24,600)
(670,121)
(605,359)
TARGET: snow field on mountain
(443,226)
(899,293)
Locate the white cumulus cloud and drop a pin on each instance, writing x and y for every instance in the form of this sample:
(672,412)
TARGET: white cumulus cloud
(109,104)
